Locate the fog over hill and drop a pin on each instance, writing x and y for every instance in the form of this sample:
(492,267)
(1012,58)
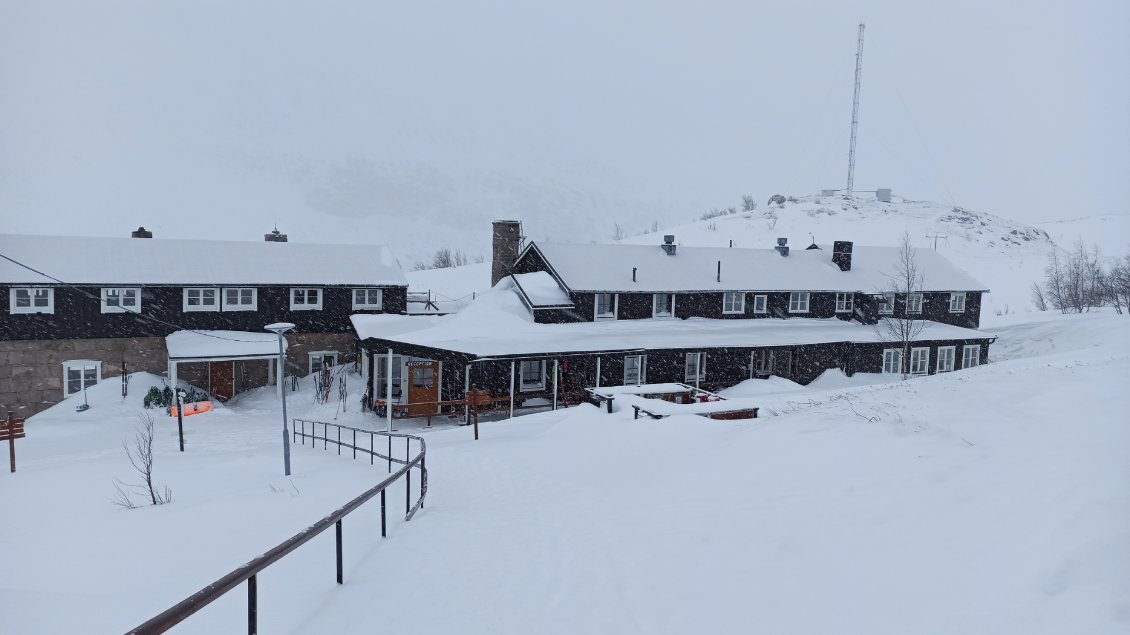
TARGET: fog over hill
(415,124)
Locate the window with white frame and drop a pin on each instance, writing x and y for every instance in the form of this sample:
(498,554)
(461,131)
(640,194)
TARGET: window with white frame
(321,360)
(957,302)
(763,360)
(605,306)
(845,302)
(635,370)
(945,359)
(886,303)
(121,300)
(695,367)
(201,299)
(80,374)
(733,302)
(368,299)
(919,361)
(913,303)
(305,299)
(892,361)
(760,303)
(32,300)
(531,375)
(380,383)
(798,302)
(970,355)
(240,299)
(663,305)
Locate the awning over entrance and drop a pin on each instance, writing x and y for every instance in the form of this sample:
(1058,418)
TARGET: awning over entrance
(203,346)
(223,346)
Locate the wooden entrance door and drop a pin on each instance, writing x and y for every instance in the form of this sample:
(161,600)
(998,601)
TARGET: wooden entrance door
(221,380)
(423,387)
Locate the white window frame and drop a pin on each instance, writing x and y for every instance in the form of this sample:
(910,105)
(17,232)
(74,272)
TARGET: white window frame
(641,373)
(655,305)
(761,360)
(240,306)
(736,308)
(892,361)
(321,355)
(214,306)
(522,372)
(799,301)
(304,306)
(81,365)
(699,367)
(913,303)
(118,293)
(368,303)
(957,302)
(33,294)
(886,303)
(845,302)
(615,304)
(965,356)
(945,352)
(380,387)
(760,303)
(923,355)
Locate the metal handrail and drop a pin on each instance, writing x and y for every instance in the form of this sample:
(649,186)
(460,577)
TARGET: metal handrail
(246,573)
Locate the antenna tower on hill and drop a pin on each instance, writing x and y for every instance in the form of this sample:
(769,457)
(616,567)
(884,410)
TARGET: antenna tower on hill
(855,112)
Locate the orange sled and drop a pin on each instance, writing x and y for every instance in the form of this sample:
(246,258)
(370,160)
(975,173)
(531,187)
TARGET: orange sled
(192,408)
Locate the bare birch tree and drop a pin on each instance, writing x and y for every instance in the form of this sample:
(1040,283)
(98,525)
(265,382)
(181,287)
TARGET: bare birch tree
(140,456)
(901,327)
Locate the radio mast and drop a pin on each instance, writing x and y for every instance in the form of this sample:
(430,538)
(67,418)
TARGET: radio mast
(855,112)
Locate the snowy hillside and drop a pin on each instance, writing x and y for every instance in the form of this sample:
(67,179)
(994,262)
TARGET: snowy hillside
(1004,254)
(992,500)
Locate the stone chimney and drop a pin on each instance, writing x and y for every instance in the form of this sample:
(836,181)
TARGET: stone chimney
(668,245)
(275,236)
(782,246)
(841,254)
(507,239)
(141,232)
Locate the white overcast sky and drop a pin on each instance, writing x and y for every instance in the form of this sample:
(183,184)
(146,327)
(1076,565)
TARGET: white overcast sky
(187,115)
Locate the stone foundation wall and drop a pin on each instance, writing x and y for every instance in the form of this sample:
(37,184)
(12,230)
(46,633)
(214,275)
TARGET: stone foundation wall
(31,371)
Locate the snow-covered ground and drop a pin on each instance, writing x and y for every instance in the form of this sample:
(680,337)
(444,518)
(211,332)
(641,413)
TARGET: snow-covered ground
(995,500)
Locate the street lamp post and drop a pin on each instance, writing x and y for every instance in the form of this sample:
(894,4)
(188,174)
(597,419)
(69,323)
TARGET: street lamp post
(280,328)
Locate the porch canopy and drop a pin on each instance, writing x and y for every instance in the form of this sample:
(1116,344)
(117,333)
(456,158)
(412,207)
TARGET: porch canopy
(222,346)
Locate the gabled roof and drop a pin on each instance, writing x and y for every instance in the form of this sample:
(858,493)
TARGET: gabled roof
(172,261)
(608,268)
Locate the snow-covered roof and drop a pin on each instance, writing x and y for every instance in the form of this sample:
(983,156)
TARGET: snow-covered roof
(498,325)
(541,290)
(174,261)
(189,345)
(608,268)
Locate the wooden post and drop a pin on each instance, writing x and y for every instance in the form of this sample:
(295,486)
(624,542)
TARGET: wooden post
(598,371)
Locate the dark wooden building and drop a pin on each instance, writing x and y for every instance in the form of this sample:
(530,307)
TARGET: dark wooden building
(565,317)
(101,304)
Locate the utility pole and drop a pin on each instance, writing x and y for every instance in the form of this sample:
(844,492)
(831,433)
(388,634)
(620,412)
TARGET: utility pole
(855,112)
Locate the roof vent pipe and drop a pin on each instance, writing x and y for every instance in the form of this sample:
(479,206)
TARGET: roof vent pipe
(669,244)
(719,271)
(633,274)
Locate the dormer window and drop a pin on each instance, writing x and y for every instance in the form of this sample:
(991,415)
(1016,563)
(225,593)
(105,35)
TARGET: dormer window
(798,302)
(663,305)
(605,306)
(32,300)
